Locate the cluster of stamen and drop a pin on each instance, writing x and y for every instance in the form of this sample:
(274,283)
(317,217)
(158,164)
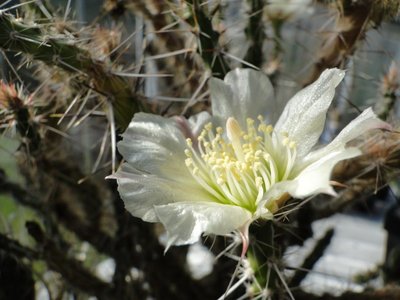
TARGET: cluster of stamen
(239,167)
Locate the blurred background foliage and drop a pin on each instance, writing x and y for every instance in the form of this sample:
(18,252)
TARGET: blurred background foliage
(74,73)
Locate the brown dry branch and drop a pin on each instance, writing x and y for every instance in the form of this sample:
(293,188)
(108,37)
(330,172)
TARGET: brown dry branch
(39,43)
(380,159)
(167,37)
(389,92)
(353,20)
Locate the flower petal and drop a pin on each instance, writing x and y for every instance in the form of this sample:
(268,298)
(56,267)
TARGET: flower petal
(244,93)
(141,192)
(154,144)
(198,121)
(185,222)
(364,122)
(303,117)
(315,178)
(312,180)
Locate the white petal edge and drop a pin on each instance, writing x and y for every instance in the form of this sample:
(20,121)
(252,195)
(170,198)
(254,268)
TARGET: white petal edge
(151,142)
(141,192)
(198,121)
(303,117)
(185,222)
(367,120)
(244,93)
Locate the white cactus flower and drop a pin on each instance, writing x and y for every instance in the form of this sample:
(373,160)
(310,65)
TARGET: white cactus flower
(217,174)
(286,9)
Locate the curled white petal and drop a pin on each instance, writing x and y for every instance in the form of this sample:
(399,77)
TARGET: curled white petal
(314,179)
(364,122)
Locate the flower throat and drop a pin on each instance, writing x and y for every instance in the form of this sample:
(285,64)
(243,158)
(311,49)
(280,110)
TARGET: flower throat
(239,167)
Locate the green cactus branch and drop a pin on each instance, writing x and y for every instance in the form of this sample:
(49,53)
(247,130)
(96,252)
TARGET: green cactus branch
(208,40)
(255,34)
(33,42)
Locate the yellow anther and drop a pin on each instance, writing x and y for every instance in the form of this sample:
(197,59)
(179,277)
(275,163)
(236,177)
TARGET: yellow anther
(219,130)
(188,162)
(256,166)
(292,145)
(220,181)
(269,129)
(285,141)
(208,126)
(260,118)
(188,153)
(189,142)
(250,121)
(248,157)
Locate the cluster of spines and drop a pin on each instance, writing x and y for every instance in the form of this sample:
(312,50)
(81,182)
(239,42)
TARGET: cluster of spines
(66,53)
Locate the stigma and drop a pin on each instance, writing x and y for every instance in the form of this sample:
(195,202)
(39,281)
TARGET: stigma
(239,165)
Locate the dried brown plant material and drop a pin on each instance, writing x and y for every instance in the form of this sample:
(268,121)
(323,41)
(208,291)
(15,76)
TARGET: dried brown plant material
(353,20)
(10,98)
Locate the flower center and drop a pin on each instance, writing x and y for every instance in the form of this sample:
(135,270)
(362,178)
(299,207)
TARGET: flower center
(239,167)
